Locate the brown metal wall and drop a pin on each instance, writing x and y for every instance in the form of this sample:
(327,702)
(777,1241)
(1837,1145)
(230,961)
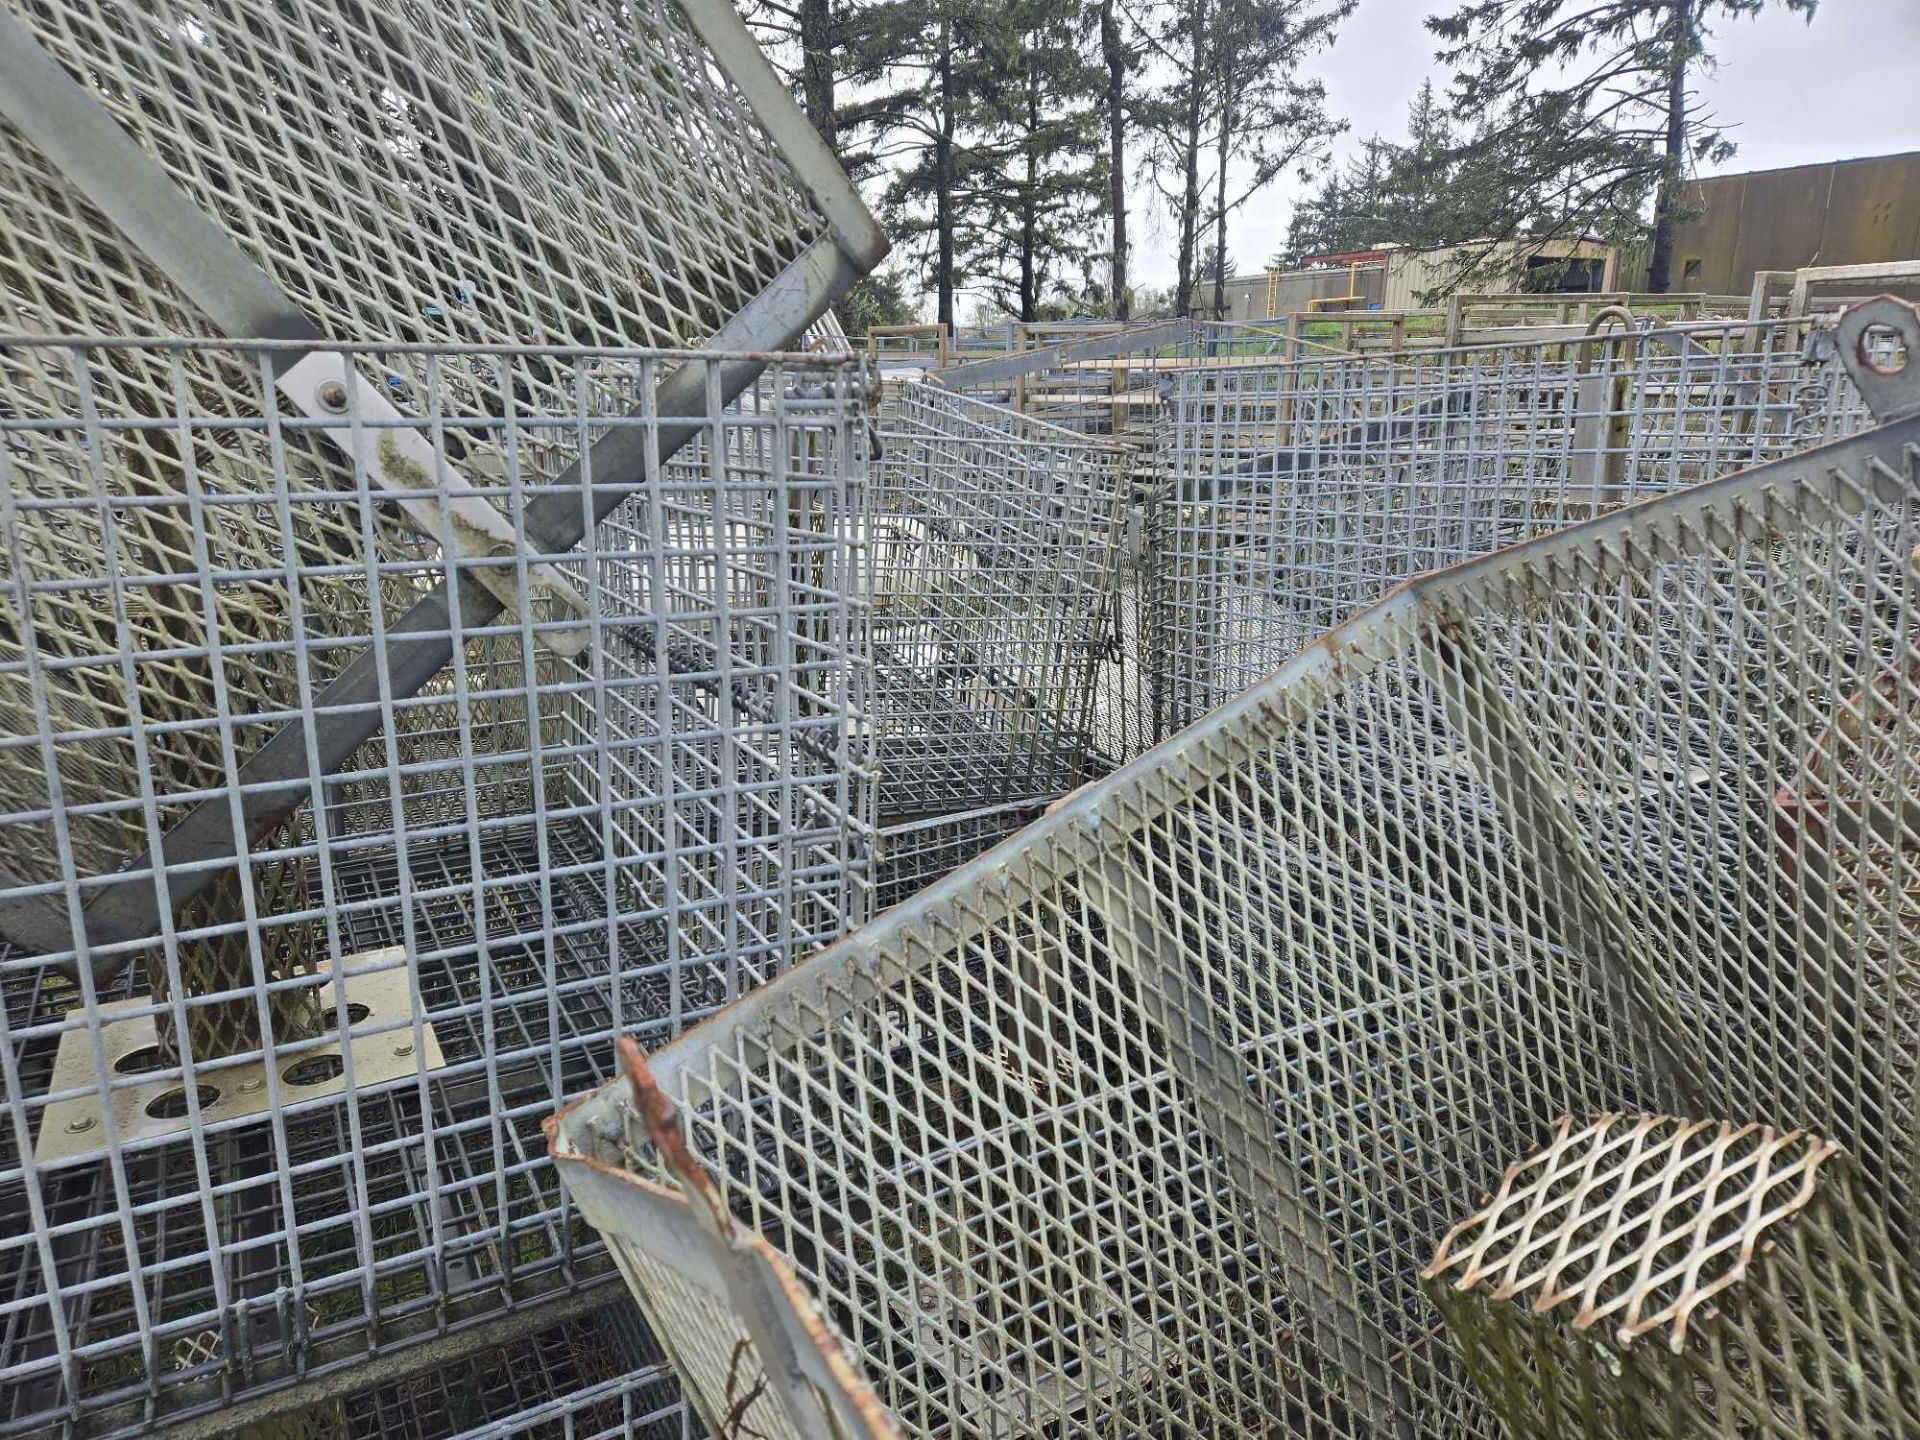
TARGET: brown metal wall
(1849,212)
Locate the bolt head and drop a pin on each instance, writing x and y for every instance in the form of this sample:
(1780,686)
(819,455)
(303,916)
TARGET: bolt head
(332,396)
(404,1048)
(80,1125)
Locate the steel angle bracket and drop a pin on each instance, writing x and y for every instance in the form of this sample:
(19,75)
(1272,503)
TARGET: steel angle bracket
(370,430)
(149,1102)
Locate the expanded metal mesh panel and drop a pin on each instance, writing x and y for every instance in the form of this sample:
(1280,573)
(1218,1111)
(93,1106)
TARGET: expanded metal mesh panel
(1652,1277)
(1297,493)
(995,545)
(571,172)
(1148,1124)
(530,851)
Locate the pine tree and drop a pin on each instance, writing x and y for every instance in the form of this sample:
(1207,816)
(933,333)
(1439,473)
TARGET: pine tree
(1043,179)
(1235,111)
(1119,58)
(1414,194)
(1586,112)
(801,39)
(1174,114)
(922,68)
(1269,117)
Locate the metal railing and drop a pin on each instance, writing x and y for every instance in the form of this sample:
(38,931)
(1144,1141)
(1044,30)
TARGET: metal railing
(1105,380)
(1148,1122)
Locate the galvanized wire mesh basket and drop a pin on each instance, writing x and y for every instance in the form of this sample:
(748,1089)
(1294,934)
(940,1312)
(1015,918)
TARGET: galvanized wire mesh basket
(380,701)
(996,545)
(534,848)
(1295,493)
(1148,1121)
(595,1376)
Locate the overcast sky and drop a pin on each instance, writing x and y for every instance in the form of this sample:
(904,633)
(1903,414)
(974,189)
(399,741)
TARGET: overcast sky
(1847,84)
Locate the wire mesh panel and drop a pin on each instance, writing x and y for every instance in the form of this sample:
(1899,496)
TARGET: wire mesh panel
(1650,1277)
(1149,1122)
(544,843)
(911,855)
(570,172)
(1298,492)
(995,544)
(599,1377)
(562,175)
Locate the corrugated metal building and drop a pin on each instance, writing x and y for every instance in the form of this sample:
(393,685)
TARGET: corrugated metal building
(1844,212)
(1412,275)
(1268,294)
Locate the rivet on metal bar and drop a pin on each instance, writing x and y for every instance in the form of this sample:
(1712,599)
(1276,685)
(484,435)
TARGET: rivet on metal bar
(403,462)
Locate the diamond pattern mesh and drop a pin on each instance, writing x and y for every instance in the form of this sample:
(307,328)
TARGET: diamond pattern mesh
(1663,1278)
(1150,1123)
(563,173)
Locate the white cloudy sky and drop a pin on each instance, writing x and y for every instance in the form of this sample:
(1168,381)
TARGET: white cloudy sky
(1848,84)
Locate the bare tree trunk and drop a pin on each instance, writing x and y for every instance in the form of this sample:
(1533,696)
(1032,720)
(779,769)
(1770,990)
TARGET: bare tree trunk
(943,179)
(1116,57)
(1029,220)
(816,69)
(1220,209)
(1190,197)
(1673,170)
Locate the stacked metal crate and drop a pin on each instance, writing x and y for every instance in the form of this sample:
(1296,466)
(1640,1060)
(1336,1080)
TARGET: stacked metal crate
(428,639)
(597,1376)
(996,548)
(1151,1122)
(1298,492)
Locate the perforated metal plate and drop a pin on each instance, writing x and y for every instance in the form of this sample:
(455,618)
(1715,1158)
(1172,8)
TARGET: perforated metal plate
(380,999)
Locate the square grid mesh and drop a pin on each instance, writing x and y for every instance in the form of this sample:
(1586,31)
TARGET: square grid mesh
(914,853)
(558,847)
(995,546)
(1298,492)
(1149,1124)
(600,1377)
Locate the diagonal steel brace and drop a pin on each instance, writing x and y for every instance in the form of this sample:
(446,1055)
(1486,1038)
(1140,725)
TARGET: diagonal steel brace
(78,135)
